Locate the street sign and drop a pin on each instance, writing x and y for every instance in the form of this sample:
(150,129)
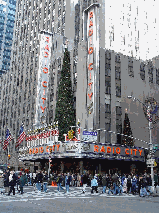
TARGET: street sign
(89,133)
(89,138)
(150,161)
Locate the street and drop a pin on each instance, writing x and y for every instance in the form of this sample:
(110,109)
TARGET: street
(76,201)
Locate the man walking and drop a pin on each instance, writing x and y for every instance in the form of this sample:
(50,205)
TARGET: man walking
(23,181)
(12,182)
(45,181)
(6,181)
(59,181)
(104,183)
(67,182)
(94,185)
(39,178)
(85,180)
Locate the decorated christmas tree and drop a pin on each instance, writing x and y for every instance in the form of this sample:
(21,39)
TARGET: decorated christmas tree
(65,112)
(127,132)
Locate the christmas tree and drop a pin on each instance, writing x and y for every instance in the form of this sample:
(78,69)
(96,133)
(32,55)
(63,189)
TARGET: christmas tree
(65,112)
(127,132)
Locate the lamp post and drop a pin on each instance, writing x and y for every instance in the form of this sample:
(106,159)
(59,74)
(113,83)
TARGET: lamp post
(150,134)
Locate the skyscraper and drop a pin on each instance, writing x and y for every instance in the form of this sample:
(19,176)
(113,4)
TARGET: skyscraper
(7,18)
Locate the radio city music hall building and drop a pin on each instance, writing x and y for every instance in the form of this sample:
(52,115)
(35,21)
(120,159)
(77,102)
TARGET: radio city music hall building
(102,80)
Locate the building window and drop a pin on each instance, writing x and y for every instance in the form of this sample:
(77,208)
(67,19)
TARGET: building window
(107,108)
(118,91)
(150,72)
(107,134)
(142,71)
(117,73)
(108,87)
(118,110)
(130,67)
(157,76)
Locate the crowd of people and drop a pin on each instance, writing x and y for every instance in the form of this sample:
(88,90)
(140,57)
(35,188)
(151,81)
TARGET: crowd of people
(111,184)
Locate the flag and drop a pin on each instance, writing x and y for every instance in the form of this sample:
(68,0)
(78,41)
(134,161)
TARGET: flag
(7,140)
(21,136)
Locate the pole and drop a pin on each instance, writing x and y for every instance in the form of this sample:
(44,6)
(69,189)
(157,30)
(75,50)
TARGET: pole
(49,168)
(151,147)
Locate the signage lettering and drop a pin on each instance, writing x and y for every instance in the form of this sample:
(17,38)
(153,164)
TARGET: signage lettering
(113,149)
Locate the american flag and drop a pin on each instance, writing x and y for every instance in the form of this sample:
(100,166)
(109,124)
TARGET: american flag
(7,140)
(21,137)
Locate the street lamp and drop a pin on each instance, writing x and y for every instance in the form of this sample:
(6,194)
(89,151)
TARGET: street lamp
(150,134)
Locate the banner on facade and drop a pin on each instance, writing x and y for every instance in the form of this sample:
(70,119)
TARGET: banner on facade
(78,149)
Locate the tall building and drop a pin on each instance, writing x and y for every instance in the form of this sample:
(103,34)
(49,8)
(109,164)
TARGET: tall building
(7,20)
(102,79)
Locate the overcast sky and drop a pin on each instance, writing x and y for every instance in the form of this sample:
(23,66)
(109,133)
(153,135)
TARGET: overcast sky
(138,25)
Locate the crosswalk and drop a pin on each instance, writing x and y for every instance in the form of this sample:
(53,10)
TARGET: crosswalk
(52,193)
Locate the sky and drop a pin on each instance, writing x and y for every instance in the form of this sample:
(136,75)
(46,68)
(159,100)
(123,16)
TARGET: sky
(135,25)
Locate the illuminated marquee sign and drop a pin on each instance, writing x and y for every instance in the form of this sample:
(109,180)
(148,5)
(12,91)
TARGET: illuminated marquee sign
(43,76)
(90,61)
(91,35)
(89,150)
(42,138)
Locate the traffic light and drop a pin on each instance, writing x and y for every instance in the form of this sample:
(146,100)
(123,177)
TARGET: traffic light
(50,150)
(9,156)
(70,134)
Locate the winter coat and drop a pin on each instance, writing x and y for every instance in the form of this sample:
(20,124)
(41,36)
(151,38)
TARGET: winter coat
(12,180)
(85,179)
(6,180)
(104,181)
(134,181)
(115,179)
(94,182)
(59,180)
(39,178)
(68,180)
(45,178)
(23,180)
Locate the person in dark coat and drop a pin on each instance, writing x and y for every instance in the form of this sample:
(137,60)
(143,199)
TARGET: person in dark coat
(12,182)
(59,181)
(39,180)
(129,184)
(67,182)
(85,181)
(23,181)
(6,181)
(45,181)
(104,183)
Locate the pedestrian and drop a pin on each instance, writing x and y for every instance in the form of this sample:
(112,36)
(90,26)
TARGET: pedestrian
(45,181)
(129,184)
(109,182)
(104,183)
(156,181)
(134,182)
(67,182)
(125,185)
(149,183)
(12,182)
(59,182)
(78,180)
(143,191)
(39,179)
(30,178)
(94,185)
(34,180)
(115,183)
(85,180)
(23,181)
(6,181)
